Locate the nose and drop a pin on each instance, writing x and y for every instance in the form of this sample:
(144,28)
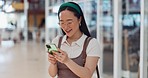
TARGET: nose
(65,26)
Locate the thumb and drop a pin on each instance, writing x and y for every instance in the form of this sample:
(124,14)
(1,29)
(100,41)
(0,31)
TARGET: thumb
(61,51)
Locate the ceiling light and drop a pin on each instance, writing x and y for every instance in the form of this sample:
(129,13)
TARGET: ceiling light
(1,3)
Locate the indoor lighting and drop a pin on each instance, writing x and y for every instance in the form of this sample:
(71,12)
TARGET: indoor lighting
(1,3)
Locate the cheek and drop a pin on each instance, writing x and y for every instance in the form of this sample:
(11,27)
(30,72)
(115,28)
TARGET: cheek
(77,26)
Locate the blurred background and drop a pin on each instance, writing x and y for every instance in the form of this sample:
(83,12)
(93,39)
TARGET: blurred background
(120,26)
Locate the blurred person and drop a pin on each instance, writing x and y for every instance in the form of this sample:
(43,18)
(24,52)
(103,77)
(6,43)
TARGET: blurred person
(78,52)
(41,28)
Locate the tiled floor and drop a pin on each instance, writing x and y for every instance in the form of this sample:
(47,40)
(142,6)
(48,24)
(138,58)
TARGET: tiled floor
(23,60)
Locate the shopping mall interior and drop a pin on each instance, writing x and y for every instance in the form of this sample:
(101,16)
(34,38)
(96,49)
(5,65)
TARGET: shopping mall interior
(120,26)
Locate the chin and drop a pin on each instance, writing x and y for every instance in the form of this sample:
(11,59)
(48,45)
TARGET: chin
(69,35)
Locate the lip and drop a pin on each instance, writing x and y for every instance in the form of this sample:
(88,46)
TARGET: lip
(68,31)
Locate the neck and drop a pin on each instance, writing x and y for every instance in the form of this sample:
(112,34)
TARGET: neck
(75,37)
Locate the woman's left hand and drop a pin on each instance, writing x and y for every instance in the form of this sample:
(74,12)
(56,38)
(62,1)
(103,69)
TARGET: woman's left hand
(61,56)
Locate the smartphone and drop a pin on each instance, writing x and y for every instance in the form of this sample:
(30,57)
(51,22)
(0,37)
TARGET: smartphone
(51,48)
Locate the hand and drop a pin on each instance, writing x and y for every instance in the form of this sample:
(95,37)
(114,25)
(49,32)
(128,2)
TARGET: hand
(61,56)
(51,59)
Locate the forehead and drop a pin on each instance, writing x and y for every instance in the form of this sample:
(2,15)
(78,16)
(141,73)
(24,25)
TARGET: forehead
(66,14)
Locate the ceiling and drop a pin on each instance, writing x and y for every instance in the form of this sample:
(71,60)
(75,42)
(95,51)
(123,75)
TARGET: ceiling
(35,6)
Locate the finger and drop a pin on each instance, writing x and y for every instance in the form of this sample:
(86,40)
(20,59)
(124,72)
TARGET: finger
(58,57)
(56,53)
(59,54)
(52,61)
(50,55)
(60,50)
(51,58)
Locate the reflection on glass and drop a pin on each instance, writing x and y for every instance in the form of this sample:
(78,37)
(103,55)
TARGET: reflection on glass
(131,20)
(90,13)
(131,44)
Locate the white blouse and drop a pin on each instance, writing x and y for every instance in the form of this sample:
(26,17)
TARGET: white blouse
(75,49)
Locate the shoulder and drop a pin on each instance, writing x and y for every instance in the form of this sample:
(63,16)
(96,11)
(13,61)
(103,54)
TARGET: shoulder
(94,40)
(93,47)
(56,39)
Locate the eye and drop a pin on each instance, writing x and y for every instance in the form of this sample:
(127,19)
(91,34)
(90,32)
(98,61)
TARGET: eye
(69,22)
(61,23)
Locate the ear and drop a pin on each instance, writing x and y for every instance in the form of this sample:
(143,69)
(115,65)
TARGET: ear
(80,20)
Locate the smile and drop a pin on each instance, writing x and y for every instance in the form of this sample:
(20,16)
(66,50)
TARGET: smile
(68,31)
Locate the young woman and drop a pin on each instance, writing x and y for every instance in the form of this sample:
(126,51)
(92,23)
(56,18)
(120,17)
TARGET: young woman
(74,59)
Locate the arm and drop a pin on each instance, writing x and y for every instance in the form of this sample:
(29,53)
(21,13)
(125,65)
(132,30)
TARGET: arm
(83,72)
(52,70)
(86,71)
(53,66)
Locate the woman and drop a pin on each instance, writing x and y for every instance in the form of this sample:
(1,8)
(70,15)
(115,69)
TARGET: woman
(69,61)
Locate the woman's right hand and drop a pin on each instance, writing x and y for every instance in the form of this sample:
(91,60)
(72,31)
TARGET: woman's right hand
(51,59)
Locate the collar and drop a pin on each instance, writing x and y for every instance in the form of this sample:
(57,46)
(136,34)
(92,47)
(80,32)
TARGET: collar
(79,42)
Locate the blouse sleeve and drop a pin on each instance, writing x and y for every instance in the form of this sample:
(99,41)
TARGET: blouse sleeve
(56,40)
(93,48)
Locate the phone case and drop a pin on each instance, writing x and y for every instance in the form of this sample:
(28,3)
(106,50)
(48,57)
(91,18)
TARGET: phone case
(51,48)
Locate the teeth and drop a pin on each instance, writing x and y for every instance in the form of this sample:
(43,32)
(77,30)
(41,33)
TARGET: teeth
(68,31)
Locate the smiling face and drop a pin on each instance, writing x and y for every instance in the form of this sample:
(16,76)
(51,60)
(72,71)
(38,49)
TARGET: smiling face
(69,23)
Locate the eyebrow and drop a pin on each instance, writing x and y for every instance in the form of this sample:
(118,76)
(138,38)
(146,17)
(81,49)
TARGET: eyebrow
(67,20)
